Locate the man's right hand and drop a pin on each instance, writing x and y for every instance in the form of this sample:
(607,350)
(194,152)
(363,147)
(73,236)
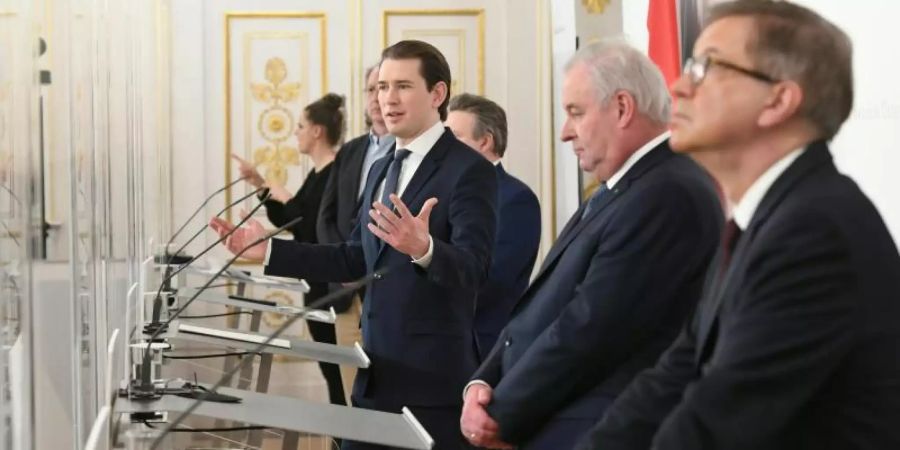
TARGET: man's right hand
(248,171)
(478,427)
(242,237)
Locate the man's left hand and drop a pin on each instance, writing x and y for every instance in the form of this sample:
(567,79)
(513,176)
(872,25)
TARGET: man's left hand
(402,230)
(478,427)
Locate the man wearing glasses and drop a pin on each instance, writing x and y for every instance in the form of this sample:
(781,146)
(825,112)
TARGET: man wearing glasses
(796,342)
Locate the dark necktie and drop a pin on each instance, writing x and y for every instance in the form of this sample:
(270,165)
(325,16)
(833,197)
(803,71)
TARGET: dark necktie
(730,236)
(392,179)
(594,200)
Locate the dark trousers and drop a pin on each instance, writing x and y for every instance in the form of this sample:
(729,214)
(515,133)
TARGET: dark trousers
(324,333)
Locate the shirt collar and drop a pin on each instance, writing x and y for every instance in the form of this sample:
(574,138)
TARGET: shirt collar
(374,139)
(746,207)
(422,144)
(497,162)
(634,158)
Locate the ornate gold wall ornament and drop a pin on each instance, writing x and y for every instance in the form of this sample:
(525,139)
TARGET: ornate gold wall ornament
(595,6)
(275,320)
(275,123)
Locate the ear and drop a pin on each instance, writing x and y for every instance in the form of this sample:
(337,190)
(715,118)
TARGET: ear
(626,108)
(438,93)
(487,143)
(781,105)
(317,131)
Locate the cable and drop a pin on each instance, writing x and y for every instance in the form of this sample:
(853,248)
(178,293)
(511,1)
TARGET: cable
(208,430)
(210,316)
(210,355)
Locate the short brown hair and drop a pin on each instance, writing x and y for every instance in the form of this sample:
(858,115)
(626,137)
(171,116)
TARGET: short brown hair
(433,67)
(794,43)
(489,118)
(328,112)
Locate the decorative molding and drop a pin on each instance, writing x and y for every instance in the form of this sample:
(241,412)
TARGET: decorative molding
(478,14)
(595,6)
(230,17)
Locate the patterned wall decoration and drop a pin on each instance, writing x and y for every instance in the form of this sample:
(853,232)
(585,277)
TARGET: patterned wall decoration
(460,38)
(275,64)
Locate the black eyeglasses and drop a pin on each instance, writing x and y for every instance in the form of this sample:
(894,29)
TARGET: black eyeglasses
(696,69)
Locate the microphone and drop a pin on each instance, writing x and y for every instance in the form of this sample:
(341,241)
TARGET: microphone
(168,275)
(209,393)
(145,389)
(167,259)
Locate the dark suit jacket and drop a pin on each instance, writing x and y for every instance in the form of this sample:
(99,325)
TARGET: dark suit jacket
(515,249)
(610,297)
(796,346)
(339,209)
(417,324)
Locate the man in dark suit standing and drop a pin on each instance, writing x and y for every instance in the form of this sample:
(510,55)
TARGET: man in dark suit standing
(796,343)
(339,209)
(481,124)
(417,320)
(623,275)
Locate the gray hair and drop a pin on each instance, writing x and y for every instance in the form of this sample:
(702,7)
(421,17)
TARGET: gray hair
(616,66)
(369,70)
(489,118)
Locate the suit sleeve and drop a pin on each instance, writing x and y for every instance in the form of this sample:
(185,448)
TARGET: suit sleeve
(327,230)
(792,325)
(656,247)
(341,262)
(518,238)
(464,260)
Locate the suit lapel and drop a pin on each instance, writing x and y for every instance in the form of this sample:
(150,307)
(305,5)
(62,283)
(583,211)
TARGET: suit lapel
(430,164)
(720,286)
(370,242)
(576,224)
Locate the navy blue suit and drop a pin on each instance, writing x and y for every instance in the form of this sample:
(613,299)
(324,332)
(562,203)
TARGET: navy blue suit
(515,249)
(796,343)
(417,324)
(610,297)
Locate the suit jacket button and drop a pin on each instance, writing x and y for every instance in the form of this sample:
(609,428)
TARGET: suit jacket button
(508,342)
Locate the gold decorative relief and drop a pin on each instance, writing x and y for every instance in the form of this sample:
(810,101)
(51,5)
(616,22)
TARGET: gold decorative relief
(271,73)
(276,122)
(282,298)
(595,6)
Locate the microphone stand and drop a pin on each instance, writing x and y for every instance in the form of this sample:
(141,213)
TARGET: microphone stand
(143,388)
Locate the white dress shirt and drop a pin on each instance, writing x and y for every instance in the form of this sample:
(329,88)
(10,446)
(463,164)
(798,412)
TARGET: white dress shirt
(747,205)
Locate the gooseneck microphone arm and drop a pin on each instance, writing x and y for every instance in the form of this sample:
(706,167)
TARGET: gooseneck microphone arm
(347,289)
(146,383)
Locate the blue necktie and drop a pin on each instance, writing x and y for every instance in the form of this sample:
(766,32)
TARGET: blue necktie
(594,200)
(392,179)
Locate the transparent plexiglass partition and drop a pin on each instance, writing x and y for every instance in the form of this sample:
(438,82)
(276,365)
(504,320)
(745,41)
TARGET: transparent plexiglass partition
(17,136)
(85,164)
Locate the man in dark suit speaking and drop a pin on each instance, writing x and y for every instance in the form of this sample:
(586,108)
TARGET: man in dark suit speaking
(417,321)
(481,124)
(623,275)
(796,343)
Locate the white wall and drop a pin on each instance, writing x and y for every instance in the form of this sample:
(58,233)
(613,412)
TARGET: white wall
(866,147)
(516,75)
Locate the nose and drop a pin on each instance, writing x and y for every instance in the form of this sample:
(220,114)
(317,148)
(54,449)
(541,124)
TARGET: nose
(567,133)
(682,87)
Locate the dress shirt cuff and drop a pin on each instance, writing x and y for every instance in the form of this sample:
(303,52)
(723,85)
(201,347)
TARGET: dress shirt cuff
(268,251)
(472,383)
(425,260)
